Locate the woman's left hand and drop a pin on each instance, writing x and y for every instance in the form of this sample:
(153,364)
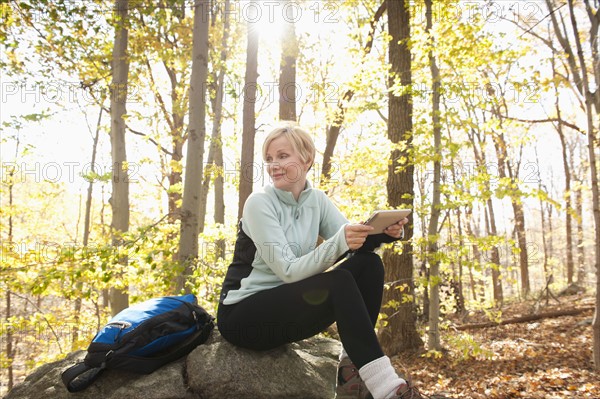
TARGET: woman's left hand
(396,229)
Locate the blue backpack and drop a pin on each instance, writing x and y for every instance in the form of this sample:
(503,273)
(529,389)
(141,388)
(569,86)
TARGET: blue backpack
(143,338)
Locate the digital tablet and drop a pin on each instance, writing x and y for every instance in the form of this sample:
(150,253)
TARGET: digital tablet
(380,220)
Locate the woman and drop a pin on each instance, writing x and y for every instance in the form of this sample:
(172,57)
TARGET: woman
(277,289)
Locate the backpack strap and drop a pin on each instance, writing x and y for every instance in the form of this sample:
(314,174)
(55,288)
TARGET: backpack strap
(80,376)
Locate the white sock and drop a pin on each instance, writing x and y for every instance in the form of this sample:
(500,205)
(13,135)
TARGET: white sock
(381,378)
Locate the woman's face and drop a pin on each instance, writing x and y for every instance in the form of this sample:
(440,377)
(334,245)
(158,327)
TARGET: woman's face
(284,165)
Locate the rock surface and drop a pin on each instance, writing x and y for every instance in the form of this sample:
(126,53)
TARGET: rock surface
(216,369)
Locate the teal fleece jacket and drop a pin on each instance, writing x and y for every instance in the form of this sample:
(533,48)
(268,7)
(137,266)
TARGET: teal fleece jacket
(285,232)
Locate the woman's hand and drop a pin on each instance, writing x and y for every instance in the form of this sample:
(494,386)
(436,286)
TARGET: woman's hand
(396,229)
(356,234)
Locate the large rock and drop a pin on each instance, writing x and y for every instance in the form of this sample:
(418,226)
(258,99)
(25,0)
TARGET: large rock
(303,370)
(216,369)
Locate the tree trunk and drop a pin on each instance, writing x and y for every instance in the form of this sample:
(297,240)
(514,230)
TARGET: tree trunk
(219,184)
(490,220)
(581,80)
(567,171)
(219,212)
(86,229)
(491,229)
(547,274)
(9,344)
(10,352)
(400,333)
(188,244)
(517,206)
(287,69)
(491,225)
(105,292)
(216,142)
(119,201)
(423,266)
(175,179)
(593,144)
(568,216)
(177,135)
(476,253)
(461,242)
(504,168)
(432,230)
(581,272)
(424,275)
(248,118)
(175,175)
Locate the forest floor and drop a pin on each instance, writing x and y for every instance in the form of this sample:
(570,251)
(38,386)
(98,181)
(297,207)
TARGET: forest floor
(549,358)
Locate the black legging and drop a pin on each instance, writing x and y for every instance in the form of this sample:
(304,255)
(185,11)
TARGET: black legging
(349,295)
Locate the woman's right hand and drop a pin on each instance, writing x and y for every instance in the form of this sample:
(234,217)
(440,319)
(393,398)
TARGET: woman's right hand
(356,234)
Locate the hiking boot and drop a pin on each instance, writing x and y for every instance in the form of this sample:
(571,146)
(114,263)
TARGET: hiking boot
(349,384)
(408,391)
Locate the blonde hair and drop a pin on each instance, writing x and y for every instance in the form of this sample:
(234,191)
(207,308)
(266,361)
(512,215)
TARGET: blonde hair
(299,138)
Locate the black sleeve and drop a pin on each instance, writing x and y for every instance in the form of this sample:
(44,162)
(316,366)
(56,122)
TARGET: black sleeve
(241,265)
(374,241)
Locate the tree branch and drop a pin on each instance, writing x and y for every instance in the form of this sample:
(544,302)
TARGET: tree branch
(163,149)
(548,120)
(157,94)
